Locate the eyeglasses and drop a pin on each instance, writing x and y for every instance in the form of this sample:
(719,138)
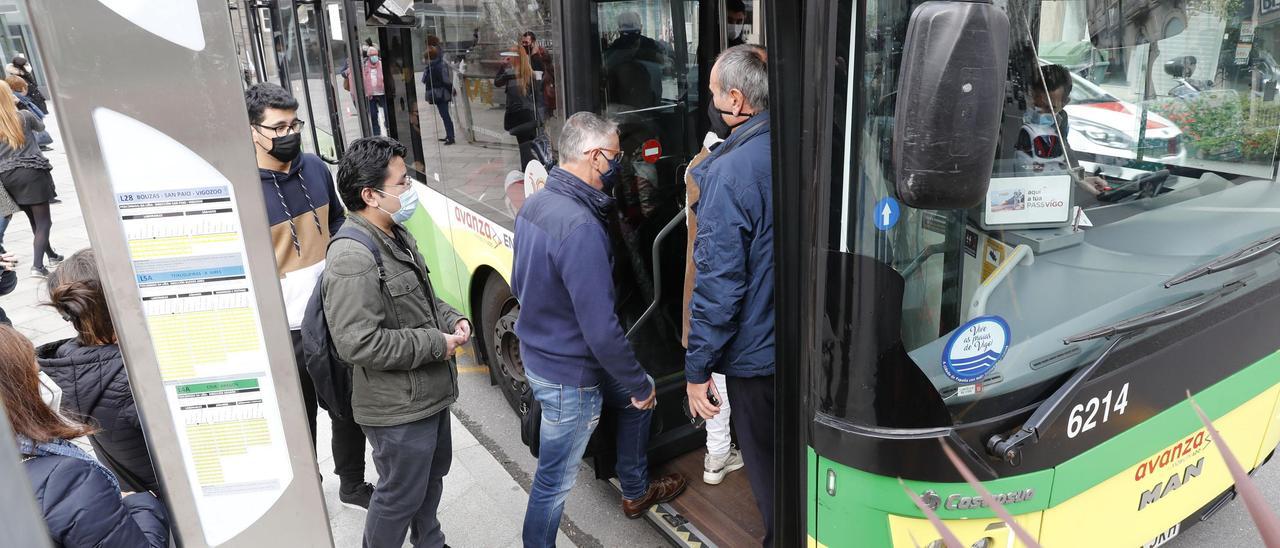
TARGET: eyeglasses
(402,183)
(615,153)
(282,130)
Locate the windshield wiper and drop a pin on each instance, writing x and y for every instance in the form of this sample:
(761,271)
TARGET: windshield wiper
(1244,255)
(1009,447)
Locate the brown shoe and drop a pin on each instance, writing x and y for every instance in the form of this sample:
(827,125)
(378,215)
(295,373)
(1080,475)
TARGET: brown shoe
(663,489)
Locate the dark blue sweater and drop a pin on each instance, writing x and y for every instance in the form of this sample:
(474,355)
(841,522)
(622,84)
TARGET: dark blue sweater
(563,276)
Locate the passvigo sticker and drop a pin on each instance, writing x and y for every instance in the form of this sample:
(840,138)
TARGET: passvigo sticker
(974,349)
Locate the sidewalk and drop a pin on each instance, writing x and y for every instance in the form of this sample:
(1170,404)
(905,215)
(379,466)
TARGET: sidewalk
(482,505)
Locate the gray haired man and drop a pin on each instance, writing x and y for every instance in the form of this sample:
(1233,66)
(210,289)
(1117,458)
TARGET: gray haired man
(576,355)
(731,310)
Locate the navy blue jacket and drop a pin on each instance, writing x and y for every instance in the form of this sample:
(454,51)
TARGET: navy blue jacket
(82,507)
(563,276)
(731,311)
(439,81)
(95,388)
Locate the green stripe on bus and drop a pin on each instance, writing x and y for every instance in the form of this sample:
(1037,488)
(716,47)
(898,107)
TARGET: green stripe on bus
(861,499)
(1153,435)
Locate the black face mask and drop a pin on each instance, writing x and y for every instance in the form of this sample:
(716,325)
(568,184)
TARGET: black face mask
(721,128)
(287,148)
(528,49)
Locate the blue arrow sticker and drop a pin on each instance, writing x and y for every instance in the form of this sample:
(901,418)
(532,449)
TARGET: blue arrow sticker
(974,348)
(886,213)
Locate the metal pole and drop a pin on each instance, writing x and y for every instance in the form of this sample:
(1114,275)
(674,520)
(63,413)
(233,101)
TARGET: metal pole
(169,188)
(19,519)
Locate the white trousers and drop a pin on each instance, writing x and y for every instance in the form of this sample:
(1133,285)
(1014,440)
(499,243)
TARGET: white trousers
(718,426)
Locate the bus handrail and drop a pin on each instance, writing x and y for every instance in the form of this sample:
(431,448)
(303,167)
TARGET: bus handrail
(657,270)
(1021,255)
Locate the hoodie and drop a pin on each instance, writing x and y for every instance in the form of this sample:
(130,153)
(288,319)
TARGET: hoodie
(303,210)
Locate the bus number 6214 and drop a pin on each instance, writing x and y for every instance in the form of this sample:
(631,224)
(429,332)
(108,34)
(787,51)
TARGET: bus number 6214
(1084,416)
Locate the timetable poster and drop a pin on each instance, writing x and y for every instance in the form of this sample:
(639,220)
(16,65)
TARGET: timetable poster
(188,257)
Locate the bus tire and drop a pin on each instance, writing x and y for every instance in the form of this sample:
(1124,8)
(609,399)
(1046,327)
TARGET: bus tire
(498,313)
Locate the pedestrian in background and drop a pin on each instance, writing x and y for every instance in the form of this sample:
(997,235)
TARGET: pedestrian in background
(21,68)
(576,356)
(89,369)
(731,329)
(524,113)
(374,87)
(8,280)
(543,68)
(19,87)
(438,79)
(386,321)
(303,213)
(80,498)
(26,175)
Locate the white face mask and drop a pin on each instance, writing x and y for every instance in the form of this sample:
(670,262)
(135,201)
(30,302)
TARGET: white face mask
(50,392)
(735,30)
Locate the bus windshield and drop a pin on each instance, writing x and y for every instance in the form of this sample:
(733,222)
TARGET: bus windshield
(1137,142)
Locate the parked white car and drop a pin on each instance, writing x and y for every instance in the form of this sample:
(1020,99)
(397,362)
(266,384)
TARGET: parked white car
(1105,126)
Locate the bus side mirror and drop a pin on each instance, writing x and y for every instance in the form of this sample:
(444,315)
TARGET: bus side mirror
(951,91)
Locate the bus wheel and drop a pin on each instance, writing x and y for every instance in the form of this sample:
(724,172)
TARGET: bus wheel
(499,311)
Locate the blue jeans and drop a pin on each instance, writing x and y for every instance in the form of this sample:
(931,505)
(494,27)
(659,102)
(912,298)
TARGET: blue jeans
(4,225)
(569,416)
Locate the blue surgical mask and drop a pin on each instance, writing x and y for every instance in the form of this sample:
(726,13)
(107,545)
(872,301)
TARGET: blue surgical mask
(1036,118)
(373,59)
(609,178)
(408,204)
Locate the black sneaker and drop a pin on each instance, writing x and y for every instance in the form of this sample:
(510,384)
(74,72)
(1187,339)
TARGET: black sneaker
(448,142)
(55,259)
(39,272)
(356,496)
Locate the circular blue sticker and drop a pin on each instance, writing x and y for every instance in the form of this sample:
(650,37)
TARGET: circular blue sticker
(886,213)
(974,349)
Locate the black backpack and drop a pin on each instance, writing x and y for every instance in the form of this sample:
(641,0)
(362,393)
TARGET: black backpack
(330,375)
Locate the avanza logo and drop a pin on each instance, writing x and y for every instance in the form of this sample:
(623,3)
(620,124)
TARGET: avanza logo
(480,226)
(1188,447)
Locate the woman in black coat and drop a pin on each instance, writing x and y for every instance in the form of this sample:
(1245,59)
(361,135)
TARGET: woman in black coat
(90,370)
(524,113)
(80,499)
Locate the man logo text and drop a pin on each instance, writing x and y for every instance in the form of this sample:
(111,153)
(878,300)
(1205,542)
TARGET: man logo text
(1173,483)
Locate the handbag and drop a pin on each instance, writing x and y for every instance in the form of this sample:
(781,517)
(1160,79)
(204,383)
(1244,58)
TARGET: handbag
(7,205)
(541,145)
(531,422)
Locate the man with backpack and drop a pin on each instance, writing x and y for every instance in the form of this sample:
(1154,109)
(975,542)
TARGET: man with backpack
(385,320)
(303,211)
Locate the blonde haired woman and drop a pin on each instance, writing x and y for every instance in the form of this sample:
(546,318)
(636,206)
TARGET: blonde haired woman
(524,101)
(25,174)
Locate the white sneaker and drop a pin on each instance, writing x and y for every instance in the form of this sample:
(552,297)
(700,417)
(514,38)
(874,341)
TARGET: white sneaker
(714,468)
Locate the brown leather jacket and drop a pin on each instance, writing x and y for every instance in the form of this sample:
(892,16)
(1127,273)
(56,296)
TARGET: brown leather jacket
(692,192)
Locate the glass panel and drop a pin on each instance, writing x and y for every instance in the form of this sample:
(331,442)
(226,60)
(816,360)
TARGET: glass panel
(297,76)
(648,55)
(1137,142)
(309,27)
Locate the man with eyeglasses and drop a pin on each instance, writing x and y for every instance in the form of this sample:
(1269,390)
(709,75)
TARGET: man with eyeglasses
(303,212)
(387,322)
(576,356)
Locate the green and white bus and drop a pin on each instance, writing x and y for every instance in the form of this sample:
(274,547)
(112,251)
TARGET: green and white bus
(1038,294)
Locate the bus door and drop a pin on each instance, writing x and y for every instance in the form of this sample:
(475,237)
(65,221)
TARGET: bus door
(645,64)
(263,43)
(310,75)
(644,76)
